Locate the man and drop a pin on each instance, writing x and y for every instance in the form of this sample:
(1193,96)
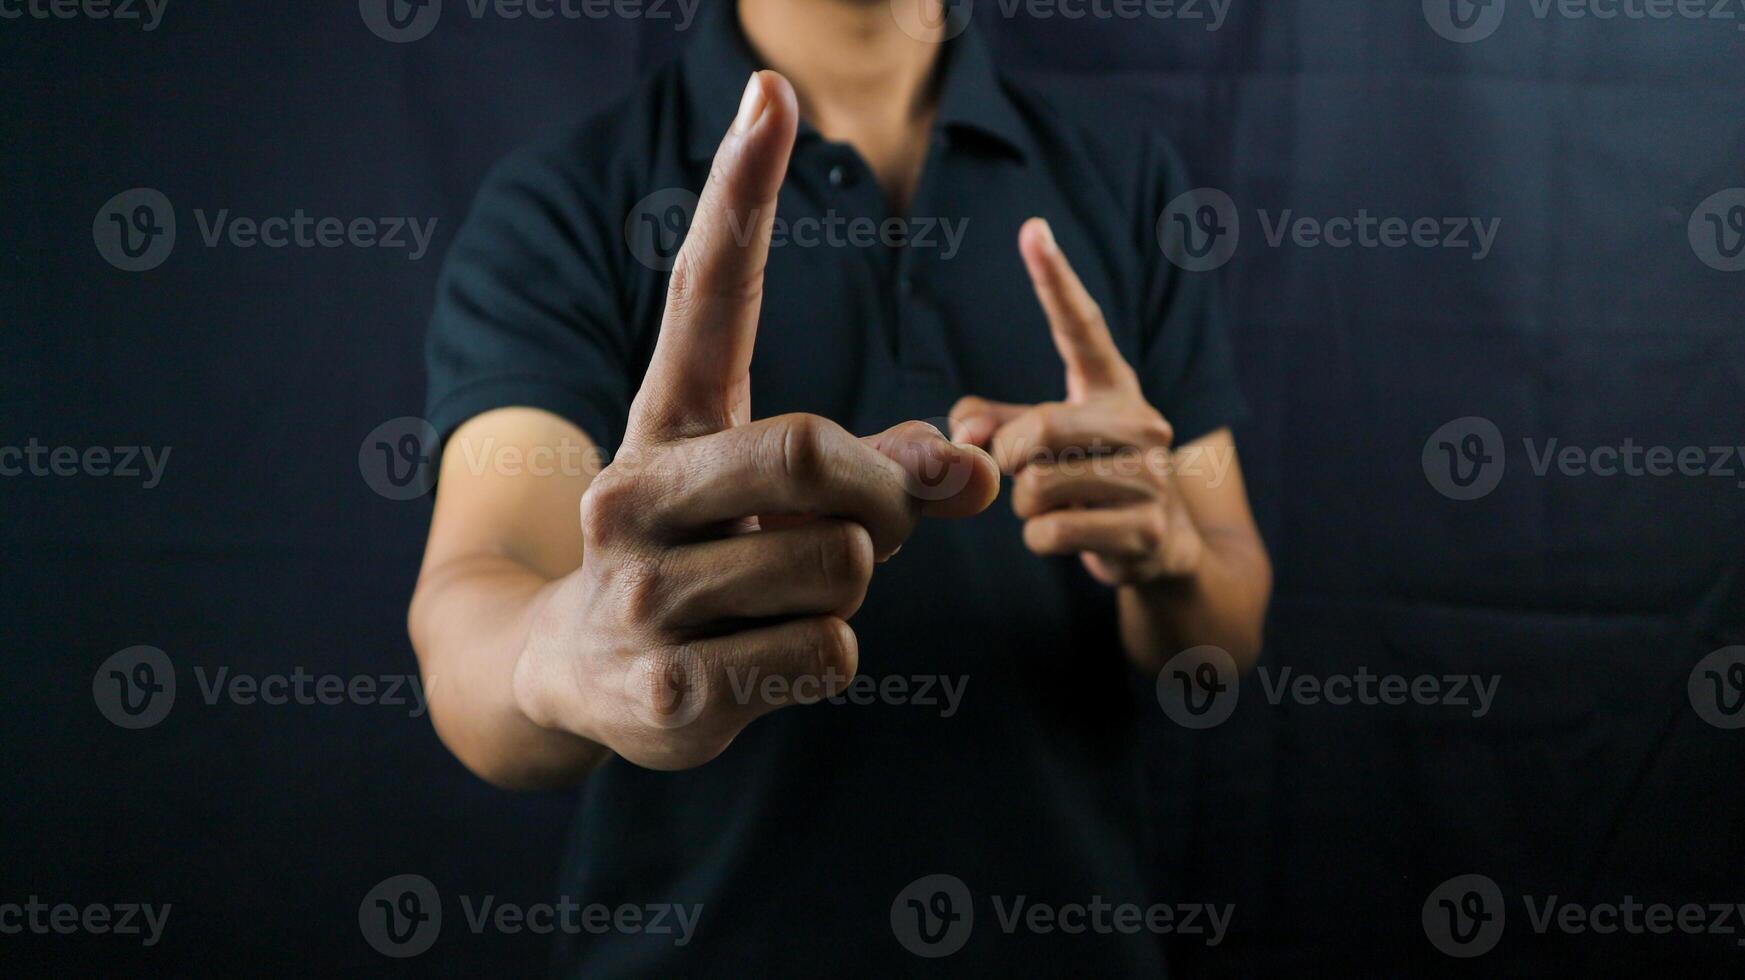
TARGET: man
(728,562)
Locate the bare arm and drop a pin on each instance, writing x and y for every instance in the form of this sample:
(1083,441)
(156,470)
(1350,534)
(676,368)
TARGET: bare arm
(567,615)
(503,532)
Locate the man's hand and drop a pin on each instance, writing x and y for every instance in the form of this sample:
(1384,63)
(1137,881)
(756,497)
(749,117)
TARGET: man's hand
(720,552)
(1092,474)
(1098,476)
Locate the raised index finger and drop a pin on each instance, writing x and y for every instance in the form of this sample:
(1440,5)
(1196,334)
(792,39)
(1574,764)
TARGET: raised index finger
(716,288)
(1093,362)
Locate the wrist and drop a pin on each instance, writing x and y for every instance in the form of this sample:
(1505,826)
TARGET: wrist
(542,689)
(1181,559)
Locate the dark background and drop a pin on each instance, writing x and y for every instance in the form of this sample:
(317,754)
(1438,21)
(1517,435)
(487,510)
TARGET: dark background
(264,549)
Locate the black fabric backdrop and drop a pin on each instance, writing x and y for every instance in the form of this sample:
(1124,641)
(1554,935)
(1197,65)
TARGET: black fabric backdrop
(263,549)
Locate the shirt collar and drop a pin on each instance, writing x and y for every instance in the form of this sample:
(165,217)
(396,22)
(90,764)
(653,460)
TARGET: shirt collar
(718,60)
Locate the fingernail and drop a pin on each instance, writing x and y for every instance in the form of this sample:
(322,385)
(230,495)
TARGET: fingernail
(750,105)
(1048,244)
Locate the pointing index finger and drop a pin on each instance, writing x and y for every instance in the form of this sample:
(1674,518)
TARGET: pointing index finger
(1093,362)
(694,380)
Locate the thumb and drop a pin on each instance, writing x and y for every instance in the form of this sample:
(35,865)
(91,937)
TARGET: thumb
(697,372)
(947,478)
(974,420)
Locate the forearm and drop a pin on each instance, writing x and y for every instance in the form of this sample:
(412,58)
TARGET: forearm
(469,621)
(1222,604)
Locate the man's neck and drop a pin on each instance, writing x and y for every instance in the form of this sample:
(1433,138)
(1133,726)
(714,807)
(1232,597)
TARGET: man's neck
(848,60)
(860,78)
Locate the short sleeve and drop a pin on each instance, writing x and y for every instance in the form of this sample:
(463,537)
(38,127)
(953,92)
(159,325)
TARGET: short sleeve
(1186,366)
(526,311)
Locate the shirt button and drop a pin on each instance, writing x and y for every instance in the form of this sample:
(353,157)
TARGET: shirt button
(838,176)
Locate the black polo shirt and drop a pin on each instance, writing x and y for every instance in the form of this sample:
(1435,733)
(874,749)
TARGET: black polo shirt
(811,844)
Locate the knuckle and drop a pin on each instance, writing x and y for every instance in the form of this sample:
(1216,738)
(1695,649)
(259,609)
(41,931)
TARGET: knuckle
(834,647)
(681,286)
(695,278)
(1148,536)
(1029,490)
(845,556)
(803,447)
(667,683)
(608,506)
(918,431)
(1051,423)
(643,591)
(1156,430)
